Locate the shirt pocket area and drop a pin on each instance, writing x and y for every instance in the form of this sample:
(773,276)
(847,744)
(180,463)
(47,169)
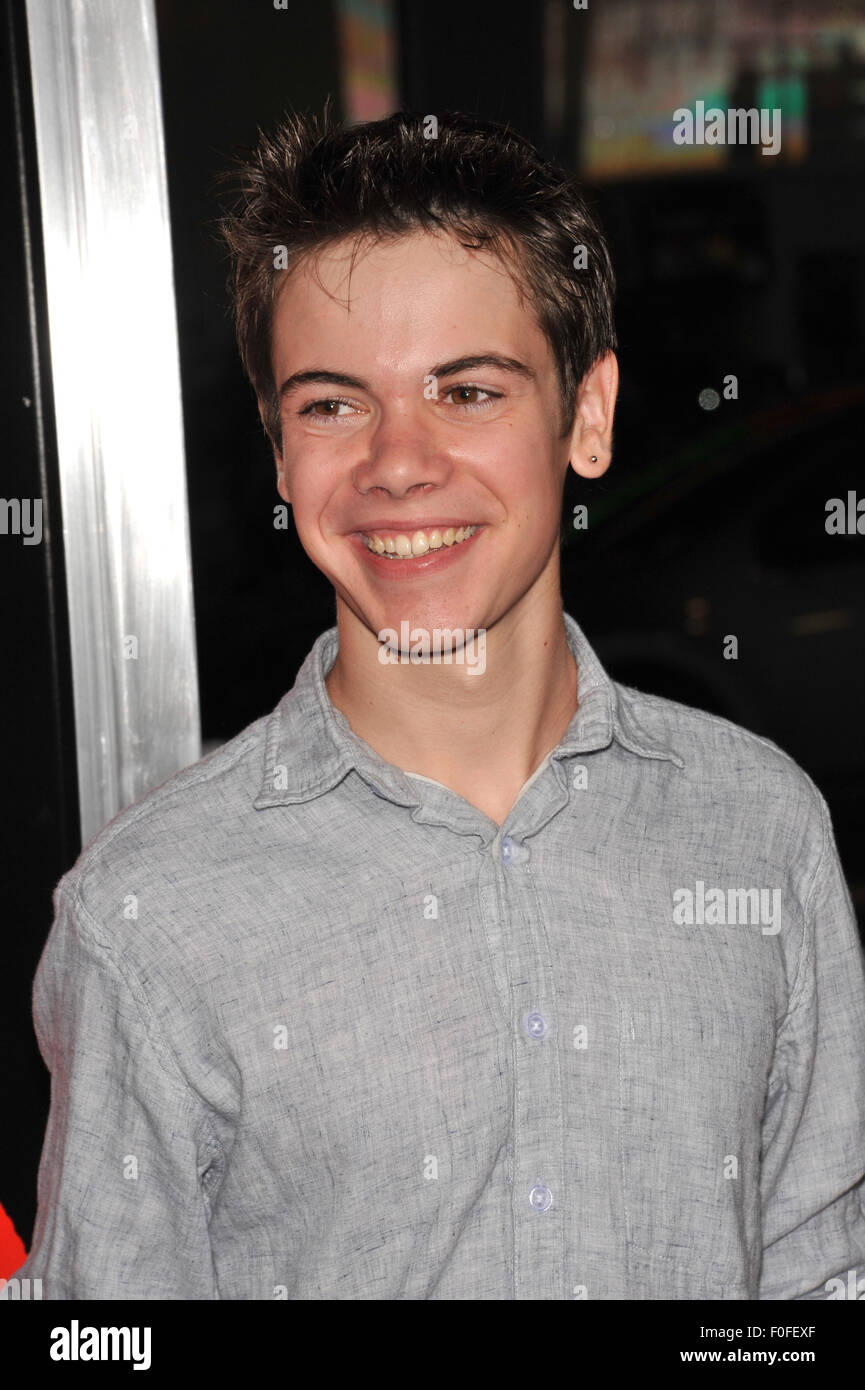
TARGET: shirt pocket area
(692,1088)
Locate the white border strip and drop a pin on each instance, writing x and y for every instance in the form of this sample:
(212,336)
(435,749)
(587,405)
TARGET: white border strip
(116,382)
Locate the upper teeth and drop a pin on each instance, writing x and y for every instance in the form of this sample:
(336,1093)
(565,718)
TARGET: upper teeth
(402,547)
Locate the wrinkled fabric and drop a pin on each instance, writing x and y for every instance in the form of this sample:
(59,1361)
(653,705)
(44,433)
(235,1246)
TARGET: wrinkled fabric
(319,1029)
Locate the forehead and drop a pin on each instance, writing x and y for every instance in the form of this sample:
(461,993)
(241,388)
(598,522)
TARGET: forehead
(404,297)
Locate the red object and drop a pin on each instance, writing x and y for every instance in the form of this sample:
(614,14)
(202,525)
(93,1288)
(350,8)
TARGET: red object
(12,1252)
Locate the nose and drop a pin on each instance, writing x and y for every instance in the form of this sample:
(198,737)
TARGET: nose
(400,456)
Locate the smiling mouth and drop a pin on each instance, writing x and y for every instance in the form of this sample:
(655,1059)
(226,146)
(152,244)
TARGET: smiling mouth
(400,546)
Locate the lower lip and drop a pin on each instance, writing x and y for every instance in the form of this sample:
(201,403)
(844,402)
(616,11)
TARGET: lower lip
(430,563)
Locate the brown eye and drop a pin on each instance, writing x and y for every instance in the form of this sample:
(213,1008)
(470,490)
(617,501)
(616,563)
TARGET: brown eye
(468,397)
(327,407)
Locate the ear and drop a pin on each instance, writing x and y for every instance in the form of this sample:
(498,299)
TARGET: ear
(281,484)
(592,433)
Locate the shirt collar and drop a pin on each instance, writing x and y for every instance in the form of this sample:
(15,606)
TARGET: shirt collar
(310,747)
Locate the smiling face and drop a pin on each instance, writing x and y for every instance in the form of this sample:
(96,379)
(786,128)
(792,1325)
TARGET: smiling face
(426,404)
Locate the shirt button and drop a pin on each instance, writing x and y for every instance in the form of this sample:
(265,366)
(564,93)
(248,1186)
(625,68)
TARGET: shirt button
(536,1025)
(513,852)
(540,1197)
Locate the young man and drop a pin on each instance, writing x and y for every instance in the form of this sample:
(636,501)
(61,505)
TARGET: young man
(467,973)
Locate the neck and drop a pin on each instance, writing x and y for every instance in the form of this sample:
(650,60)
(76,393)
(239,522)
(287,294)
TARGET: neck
(481,732)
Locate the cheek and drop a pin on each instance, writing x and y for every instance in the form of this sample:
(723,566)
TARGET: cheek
(527,478)
(310,480)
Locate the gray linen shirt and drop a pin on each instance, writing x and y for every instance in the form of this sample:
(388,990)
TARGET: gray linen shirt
(319,1029)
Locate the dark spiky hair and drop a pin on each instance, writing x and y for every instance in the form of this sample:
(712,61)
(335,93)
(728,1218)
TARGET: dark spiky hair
(310,183)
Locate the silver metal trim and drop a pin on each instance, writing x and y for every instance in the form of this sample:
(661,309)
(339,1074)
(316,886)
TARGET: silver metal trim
(116,384)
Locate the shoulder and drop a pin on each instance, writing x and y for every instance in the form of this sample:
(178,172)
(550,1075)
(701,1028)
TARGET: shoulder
(161,859)
(736,801)
(728,767)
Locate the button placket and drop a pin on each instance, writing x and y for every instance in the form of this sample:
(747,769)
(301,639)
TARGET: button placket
(538,1208)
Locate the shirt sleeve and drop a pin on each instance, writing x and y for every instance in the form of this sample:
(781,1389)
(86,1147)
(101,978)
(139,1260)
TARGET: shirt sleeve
(813,1157)
(123,1207)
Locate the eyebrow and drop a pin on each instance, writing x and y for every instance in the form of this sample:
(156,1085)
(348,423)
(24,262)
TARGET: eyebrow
(443,369)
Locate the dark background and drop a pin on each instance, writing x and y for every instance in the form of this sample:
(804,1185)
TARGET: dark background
(710,522)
